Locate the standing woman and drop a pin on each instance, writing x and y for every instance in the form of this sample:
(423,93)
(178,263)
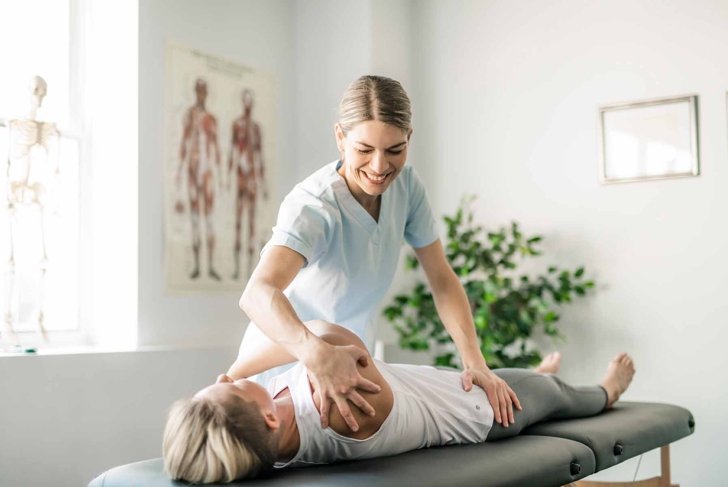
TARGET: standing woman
(334,252)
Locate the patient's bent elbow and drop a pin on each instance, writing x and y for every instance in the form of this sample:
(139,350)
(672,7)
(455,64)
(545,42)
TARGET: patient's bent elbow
(245,303)
(246,299)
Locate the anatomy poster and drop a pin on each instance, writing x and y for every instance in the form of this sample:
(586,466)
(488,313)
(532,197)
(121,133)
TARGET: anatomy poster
(219,170)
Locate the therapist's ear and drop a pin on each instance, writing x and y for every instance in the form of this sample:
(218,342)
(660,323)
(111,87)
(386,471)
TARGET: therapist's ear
(340,136)
(409,135)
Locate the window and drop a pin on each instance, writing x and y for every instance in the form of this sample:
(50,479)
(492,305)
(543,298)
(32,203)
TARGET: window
(74,211)
(39,247)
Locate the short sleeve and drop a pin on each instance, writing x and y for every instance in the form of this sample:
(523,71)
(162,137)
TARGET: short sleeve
(304,224)
(420,229)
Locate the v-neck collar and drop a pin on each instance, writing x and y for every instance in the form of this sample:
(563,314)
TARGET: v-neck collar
(356,209)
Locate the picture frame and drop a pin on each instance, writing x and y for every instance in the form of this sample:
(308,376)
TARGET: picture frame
(649,139)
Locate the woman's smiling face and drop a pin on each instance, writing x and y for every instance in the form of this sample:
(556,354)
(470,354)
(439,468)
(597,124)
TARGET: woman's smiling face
(374,155)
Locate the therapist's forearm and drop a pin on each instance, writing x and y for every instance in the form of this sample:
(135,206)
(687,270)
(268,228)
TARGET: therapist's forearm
(454,311)
(271,311)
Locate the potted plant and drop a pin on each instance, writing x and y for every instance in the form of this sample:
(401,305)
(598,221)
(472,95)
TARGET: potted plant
(507,306)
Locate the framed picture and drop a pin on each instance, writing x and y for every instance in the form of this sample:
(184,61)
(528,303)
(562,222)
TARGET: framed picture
(649,139)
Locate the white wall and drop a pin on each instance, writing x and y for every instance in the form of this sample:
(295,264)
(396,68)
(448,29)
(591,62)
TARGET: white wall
(324,66)
(109,257)
(70,417)
(336,42)
(257,34)
(507,97)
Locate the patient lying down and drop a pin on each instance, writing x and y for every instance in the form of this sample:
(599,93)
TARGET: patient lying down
(237,429)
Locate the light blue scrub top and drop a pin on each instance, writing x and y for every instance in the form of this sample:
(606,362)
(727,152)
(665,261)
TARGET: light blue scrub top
(351,258)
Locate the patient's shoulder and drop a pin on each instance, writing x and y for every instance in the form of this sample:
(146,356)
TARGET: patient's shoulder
(382,403)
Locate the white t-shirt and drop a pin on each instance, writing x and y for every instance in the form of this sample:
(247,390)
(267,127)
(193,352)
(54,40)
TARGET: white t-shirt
(351,259)
(430,409)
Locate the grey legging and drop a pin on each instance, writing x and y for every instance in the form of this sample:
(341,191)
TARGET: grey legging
(545,397)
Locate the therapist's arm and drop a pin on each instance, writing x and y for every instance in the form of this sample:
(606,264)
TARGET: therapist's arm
(267,354)
(332,368)
(454,311)
(264,355)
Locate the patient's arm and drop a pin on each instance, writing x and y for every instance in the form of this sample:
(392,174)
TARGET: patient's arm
(265,355)
(268,354)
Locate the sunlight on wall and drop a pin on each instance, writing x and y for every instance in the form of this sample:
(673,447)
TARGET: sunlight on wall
(35,42)
(87,52)
(112,109)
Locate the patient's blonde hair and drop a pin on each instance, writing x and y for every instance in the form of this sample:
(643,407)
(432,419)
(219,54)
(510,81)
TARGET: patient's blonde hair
(208,441)
(375,98)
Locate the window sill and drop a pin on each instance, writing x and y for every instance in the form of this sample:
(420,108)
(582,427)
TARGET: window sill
(50,350)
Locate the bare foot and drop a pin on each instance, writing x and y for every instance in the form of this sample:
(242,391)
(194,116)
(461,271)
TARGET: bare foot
(618,377)
(550,364)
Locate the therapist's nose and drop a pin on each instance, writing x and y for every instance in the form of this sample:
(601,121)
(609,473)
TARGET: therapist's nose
(379,163)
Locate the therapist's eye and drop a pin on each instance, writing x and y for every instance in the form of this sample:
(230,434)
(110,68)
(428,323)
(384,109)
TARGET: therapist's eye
(395,152)
(364,151)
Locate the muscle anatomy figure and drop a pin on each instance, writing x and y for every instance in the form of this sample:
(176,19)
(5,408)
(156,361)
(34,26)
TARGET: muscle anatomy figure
(198,150)
(32,169)
(246,156)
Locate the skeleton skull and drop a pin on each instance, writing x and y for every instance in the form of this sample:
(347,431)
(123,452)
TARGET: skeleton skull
(38,88)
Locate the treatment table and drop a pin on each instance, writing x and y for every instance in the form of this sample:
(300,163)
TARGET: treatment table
(547,454)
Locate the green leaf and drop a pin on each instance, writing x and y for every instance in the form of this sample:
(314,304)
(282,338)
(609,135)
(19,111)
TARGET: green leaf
(414,343)
(445,360)
(459,216)
(411,262)
(481,322)
(579,272)
(550,317)
(392,312)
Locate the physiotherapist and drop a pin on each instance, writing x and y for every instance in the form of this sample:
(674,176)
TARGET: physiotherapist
(335,249)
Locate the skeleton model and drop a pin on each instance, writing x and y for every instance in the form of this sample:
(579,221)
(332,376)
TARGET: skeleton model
(32,169)
(247,156)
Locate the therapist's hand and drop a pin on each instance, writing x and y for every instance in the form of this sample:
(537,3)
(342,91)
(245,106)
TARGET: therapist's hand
(334,374)
(501,396)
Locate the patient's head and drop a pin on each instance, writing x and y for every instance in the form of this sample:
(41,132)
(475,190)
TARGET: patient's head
(227,431)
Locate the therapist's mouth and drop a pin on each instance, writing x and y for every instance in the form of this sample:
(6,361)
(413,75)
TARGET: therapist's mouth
(376,180)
